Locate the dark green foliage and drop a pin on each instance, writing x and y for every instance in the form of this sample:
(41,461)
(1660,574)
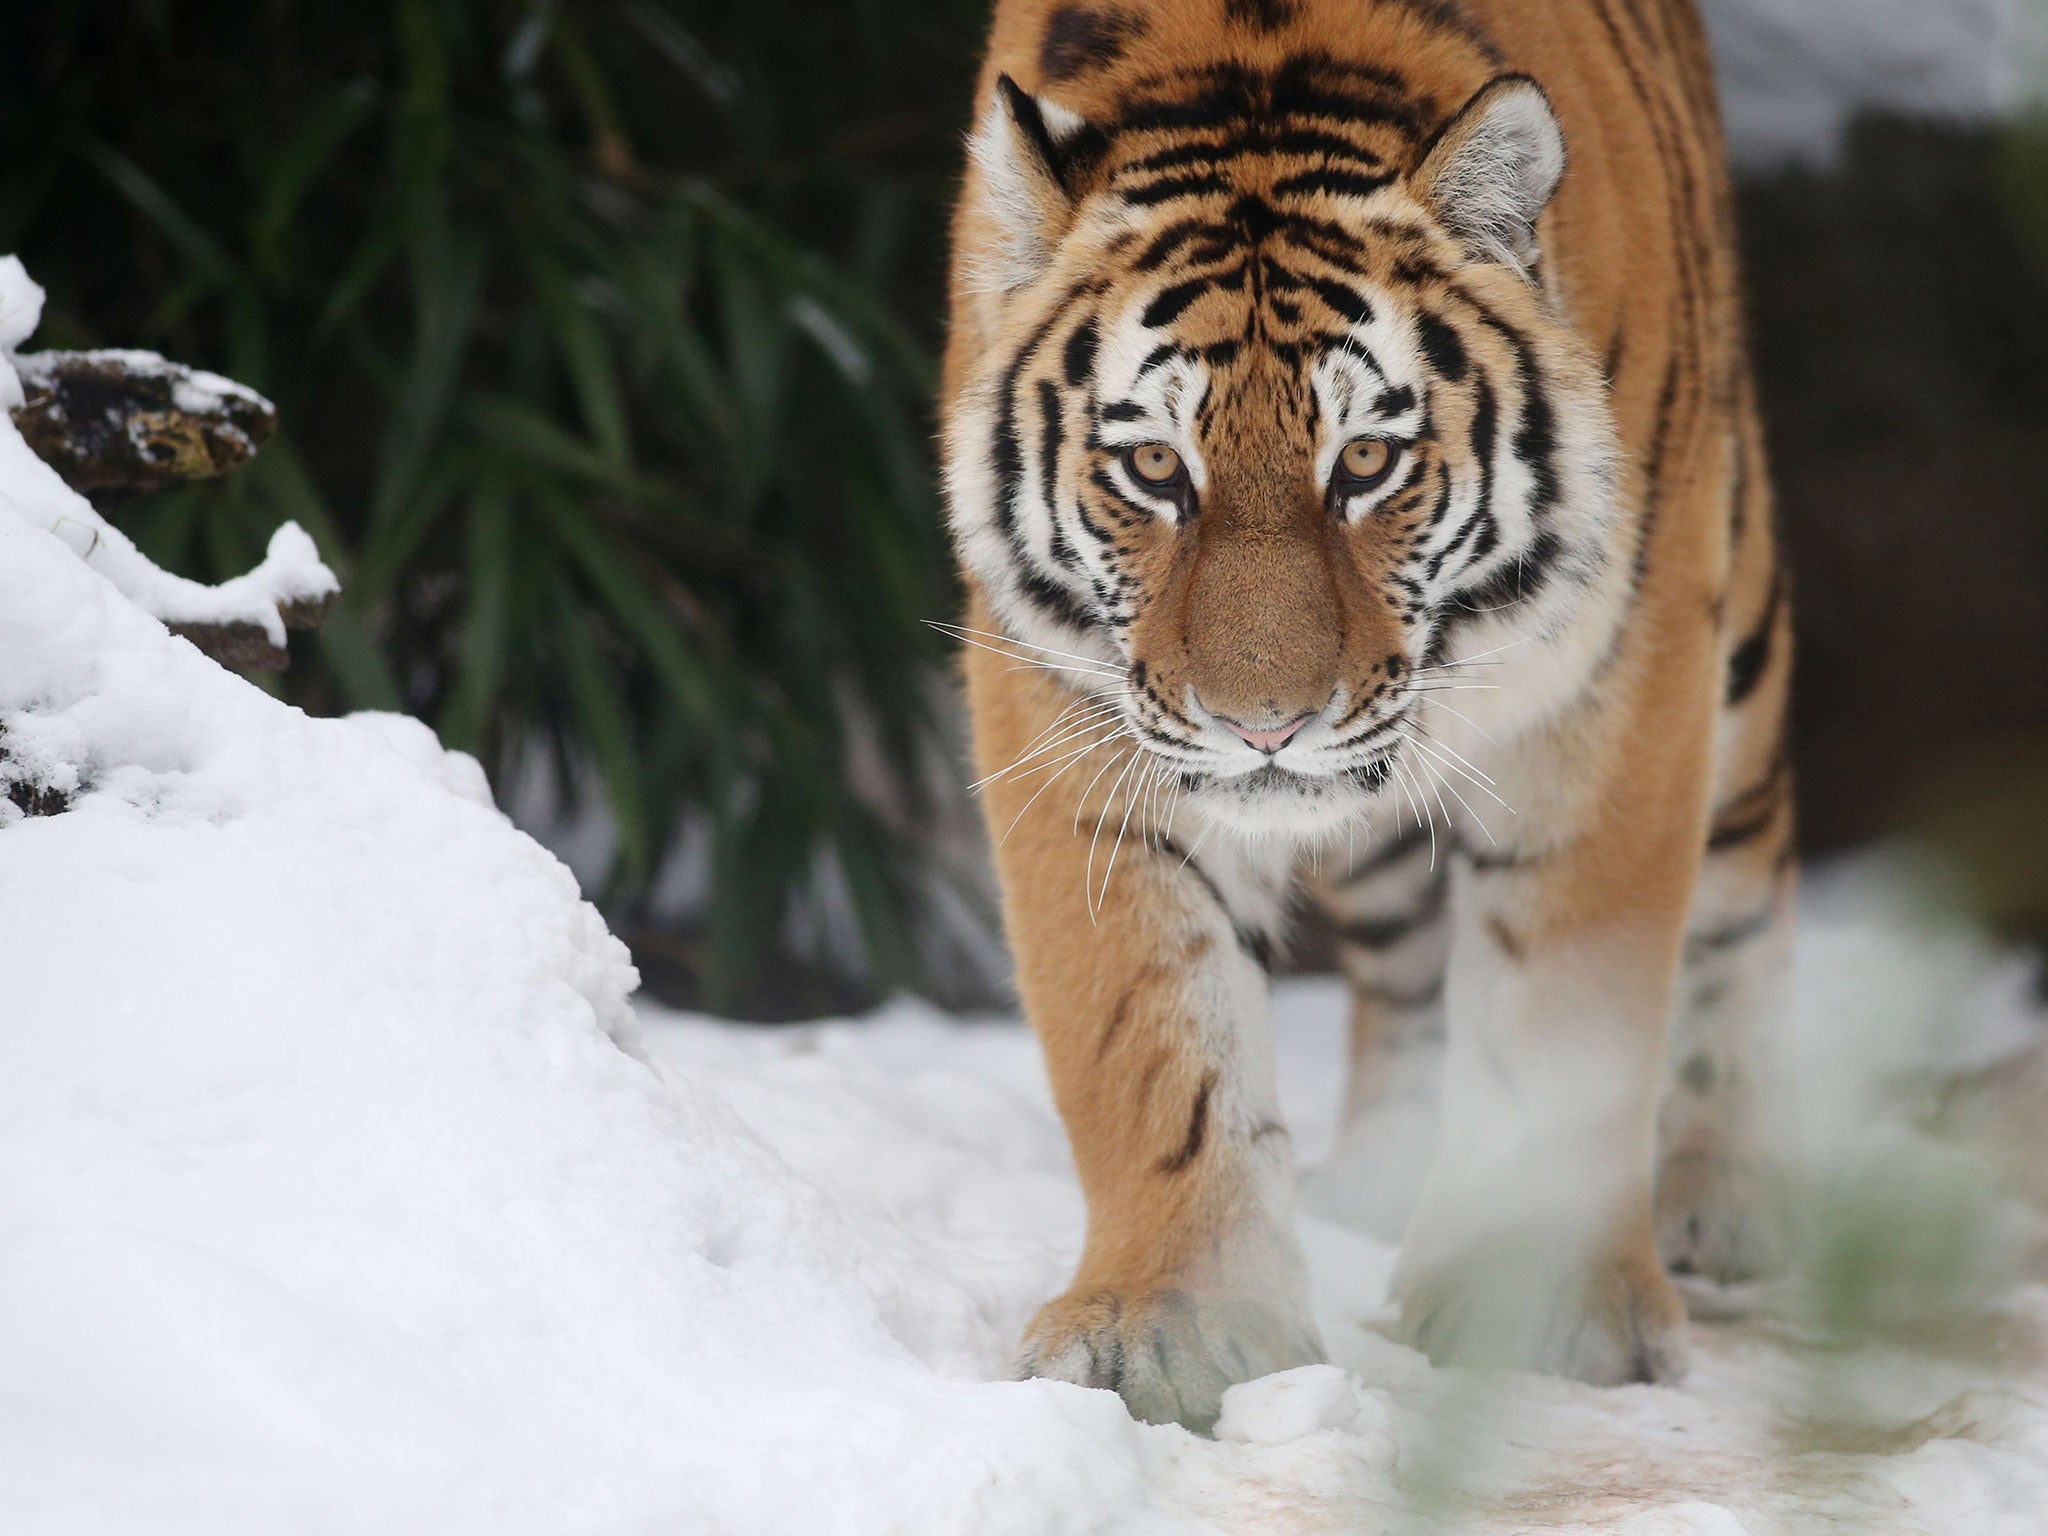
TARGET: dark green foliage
(586,324)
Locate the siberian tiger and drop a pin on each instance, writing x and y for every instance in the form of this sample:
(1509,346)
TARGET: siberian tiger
(1344,473)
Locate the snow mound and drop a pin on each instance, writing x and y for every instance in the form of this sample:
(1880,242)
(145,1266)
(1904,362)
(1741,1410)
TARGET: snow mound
(332,1197)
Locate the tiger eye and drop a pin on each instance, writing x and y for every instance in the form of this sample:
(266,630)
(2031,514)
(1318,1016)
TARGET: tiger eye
(1154,463)
(1367,458)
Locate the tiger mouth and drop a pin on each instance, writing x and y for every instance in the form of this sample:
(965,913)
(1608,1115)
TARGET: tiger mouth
(1275,779)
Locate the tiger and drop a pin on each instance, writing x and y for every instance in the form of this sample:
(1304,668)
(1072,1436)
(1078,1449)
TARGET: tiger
(1351,452)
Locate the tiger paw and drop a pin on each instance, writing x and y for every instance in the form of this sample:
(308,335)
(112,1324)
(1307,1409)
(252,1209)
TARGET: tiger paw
(1168,1353)
(1521,1304)
(1723,1214)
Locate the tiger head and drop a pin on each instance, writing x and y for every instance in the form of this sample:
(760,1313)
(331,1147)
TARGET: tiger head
(1276,420)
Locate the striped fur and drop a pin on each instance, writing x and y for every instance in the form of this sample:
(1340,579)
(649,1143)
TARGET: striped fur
(1554,635)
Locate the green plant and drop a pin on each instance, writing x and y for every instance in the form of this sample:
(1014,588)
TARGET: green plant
(592,388)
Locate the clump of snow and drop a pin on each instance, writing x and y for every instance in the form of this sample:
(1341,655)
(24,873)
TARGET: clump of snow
(343,1190)
(21,311)
(1290,1405)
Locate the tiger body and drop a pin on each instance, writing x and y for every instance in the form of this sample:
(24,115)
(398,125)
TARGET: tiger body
(1346,478)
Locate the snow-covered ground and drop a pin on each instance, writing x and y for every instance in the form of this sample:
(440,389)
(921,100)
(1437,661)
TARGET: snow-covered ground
(342,1190)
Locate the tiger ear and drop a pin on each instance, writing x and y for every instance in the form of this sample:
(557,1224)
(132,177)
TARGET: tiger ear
(1493,170)
(1028,151)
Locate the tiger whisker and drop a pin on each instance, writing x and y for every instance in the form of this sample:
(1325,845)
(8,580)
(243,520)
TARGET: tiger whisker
(1088,873)
(1433,784)
(1070,761)
(1026,663)
(1466,661)
(962,632)
(1075,730)
(1454,755)
(1073,733)
(1085,669)
(1482,730)
(1486,790)
(1477,819)
(1085,702)
(1083,804)
(1082,750)
(1130,804)
(1401,777)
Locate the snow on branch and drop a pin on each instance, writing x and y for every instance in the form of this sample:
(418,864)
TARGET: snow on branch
(119,421)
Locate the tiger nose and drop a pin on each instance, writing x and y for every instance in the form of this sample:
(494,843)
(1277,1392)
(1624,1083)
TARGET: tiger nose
(1267,742)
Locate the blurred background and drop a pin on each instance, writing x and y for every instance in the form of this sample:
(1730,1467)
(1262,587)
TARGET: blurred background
(603,336)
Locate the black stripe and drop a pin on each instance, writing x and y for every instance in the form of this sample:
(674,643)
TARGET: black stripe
(1080,353)
(1440,344)
(1198,1129)
(1653,474)
(1169,304)
(1519,580)
(1747,661)
(1382,933)
(1051,435)
(1171,239)
(1167,188)
(1259,138)
(1485,426)
(1330,180)
(1748,815)
(1080,38)
(1308,85)
(1535,441)
(1054,598)
(1118,1017)
(1345,301)
(1261,15)
(1492,861)
(1006,451)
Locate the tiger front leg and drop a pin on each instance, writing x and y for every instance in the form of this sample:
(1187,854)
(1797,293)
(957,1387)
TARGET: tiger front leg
(1153,1017)
(1535,1244)
(1155,1032)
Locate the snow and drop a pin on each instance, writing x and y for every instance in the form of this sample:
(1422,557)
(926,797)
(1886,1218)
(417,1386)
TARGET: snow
(342,1189)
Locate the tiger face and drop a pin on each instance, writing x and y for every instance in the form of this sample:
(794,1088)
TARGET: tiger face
(1278,425)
